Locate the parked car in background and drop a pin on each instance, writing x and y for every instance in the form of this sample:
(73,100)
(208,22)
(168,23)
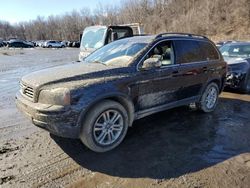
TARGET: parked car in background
(30,43)
(100,97)
(73,44)
(4,43)
(39,43)
(1,43)
(66,43)
(70,43)
(19,44)
(76,44)
(53,44)
(237,55)
(221,43)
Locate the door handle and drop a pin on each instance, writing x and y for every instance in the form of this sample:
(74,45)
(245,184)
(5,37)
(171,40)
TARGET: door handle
(204,69)
(175,73)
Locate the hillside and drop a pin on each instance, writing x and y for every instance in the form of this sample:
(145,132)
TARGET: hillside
(219,19)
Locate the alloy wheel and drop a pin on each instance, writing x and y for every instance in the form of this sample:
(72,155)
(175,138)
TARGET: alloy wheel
(108,127)
(211,97)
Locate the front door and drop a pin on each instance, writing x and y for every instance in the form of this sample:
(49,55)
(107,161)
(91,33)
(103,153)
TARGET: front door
(158,86)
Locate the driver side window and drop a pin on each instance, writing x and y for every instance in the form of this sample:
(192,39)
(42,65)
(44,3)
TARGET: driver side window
(164,51)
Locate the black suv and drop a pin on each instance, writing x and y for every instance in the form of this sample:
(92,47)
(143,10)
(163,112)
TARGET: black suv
(97,99)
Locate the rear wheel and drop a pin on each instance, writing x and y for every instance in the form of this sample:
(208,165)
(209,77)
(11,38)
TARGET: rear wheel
(209,98)
(105,126)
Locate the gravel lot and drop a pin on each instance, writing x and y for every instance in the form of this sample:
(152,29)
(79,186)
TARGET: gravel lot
(175,148)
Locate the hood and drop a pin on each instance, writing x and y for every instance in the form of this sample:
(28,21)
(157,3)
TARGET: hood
(234,60)
(65,73)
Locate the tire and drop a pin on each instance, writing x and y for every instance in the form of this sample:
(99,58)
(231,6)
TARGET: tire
(246,84)
(209,98)
(96,132)
(49,46)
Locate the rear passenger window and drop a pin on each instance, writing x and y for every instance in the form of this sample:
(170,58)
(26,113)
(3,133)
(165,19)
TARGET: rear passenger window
(188,51)
(209,52)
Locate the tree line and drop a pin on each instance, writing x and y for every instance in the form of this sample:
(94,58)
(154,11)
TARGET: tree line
(216,19)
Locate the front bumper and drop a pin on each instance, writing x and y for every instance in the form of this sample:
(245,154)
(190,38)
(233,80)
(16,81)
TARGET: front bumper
(235,79)
(59,120)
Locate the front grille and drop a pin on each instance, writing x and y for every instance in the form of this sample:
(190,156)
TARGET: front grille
(27,90)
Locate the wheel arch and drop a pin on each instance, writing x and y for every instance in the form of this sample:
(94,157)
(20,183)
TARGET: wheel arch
(218,81)
(122,99)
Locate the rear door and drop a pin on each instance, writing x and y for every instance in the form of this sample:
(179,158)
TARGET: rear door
(193,67)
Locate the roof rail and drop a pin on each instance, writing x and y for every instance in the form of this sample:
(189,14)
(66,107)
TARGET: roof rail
(140,35)
(181,34)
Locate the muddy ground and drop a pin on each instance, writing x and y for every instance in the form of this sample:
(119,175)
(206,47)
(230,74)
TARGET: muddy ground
(175,148)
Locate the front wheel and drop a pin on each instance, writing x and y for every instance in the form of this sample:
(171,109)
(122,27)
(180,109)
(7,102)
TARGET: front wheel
(105,126)
(209,98)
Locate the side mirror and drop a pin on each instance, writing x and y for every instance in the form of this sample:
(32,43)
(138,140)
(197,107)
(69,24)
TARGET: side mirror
(151,63)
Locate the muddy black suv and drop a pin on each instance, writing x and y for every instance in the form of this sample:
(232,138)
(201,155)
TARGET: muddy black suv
(97,99)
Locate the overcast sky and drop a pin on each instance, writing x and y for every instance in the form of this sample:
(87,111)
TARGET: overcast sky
(24,10)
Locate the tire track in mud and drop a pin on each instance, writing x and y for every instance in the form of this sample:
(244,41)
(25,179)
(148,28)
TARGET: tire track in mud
(48,163)
(10,125)
(43,162)
(13,124)
(56,168)
(16,131)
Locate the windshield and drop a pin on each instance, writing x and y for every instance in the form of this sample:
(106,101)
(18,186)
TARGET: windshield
(93,37)
(118,52)
(235,50)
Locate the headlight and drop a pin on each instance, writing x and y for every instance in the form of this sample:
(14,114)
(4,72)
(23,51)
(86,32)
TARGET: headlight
(59,96)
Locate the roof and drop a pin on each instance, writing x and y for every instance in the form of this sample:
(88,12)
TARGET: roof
(150,38)
(238,43)
(189,35)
